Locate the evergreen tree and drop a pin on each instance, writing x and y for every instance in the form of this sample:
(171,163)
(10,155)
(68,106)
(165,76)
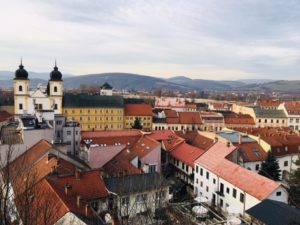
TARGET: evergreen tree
(270,168)
(294,186)
(137,124)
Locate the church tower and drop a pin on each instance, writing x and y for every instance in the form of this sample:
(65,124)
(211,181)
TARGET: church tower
(21,90)
(55,90)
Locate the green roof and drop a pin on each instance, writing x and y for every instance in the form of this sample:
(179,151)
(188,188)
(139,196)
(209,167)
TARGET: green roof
(269,113)
(92,101)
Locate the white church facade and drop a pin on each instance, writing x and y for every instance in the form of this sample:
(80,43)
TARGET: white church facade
(41,99)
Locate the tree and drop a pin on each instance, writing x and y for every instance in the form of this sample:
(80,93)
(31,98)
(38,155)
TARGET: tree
(270,168)
(137,124)
(294,185)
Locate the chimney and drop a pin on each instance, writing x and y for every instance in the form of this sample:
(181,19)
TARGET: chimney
(77,174)
(86,209)
(228,144)
(78,200)
(115,221)
(216,139)
(240,138)
(67,187)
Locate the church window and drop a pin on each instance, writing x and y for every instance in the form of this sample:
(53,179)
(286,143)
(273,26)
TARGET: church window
(20,88)
(55,89)
(21,106)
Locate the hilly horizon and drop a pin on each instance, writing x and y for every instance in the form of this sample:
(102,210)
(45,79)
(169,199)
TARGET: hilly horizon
(130,81)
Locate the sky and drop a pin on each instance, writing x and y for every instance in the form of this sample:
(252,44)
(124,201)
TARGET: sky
(211,39)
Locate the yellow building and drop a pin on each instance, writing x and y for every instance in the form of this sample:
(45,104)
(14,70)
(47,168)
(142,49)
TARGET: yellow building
(141,111)
(95,112)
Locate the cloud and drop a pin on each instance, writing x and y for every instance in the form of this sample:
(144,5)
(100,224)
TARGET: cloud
(224,39)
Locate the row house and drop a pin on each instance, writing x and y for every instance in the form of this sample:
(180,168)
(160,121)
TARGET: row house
(268,104)
(143,112)
(292,112)
(177,104)
(138,196)
(263,117)
(250,153)
(121,152)
(95,112)
(178,121)
(227,185)
(234,120)
(212,121)
(284,144)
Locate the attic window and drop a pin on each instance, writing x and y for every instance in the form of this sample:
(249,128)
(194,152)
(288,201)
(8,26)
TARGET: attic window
(256,152)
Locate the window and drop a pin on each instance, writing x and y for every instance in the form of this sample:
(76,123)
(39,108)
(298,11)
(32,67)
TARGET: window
(257,167)
(201,171)
(68,132)
(125,201)
(197,181)
(55,89)
(286,163)
(214,181)
(186,168)
(221,202)
(207,189)
(55,106)
(76,132)
(152,168)
(234,192)
(207,175)
(227,190)
(201,184)
(20,106)
(58,122)
(241,197)
(196,169)
(141,198)
(278,193)
(20,88)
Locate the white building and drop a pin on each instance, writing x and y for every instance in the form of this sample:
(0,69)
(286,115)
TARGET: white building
(29,101)
(292,111)
(106,89)
(226,184)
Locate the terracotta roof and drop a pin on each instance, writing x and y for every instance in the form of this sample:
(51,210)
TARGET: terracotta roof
(215,161)
(50,196)
(171,114)
(4,116)
(189,118)
(197,140)
(89,184)
(121,163)
(269,103)
(111,137)
(186,153)
(282,141)
(169,139)
(233,118)
(292,108)
(251,152)
(138,110)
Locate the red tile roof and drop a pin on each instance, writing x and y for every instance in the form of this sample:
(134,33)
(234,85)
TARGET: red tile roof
(269,104)
(169,139)
(283,142)
(189,118)
(215,161)
(251,152)
(196,139)
(138,110)
(240,119)
(186,153)
(292,108)
(121,163)
(4,116)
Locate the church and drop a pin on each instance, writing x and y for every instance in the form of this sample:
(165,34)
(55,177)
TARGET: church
(41,99)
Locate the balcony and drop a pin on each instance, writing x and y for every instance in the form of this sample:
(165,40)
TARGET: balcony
(220,193)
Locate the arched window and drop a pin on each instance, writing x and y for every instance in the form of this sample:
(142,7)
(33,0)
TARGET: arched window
(55,89)
(20,88)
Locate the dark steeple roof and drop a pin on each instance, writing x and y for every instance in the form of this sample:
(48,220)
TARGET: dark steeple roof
(55,74)
(106,86)
(21,73)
